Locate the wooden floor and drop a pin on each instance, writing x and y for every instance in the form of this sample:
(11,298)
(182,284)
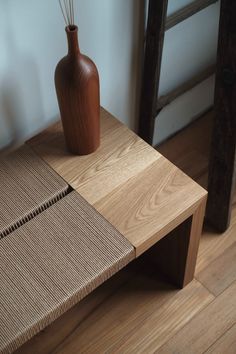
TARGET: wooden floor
(138,312)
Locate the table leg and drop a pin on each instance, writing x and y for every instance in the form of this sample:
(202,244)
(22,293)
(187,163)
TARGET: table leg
(176,254)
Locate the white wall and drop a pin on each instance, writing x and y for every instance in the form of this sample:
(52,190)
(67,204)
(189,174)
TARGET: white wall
(189,48)
(111,32)
(32,42)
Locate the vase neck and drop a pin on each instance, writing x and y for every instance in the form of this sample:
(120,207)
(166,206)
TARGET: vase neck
(72,38)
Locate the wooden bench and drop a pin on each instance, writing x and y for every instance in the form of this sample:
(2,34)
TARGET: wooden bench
(140,199)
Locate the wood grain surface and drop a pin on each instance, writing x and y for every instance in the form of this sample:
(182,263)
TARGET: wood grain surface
(211,248)
(122,325)
(77,87)
(194,240)
(207,325)
(225,344)
(162,197)
(221,273)
(133,186)
(121,155)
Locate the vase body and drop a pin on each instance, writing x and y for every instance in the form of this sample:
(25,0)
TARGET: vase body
(77,88)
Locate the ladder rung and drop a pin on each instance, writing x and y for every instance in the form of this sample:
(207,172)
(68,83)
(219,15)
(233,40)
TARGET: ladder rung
(187,12)
(188,85)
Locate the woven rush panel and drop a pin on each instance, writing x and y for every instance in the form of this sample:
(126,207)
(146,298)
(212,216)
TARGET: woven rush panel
(51,263)
(27,186)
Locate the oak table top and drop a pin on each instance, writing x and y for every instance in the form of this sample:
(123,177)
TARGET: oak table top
(133,186)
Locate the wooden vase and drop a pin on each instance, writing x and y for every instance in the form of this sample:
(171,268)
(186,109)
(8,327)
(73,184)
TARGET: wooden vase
(77,87)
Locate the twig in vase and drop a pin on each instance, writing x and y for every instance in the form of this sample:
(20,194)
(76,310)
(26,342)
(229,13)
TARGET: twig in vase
(67,9)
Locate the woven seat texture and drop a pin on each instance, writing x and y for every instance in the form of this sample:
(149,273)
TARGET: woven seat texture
(52,262)
(27,186)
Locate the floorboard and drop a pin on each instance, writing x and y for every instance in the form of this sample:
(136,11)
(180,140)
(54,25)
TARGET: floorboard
(204,329)
(139,318)
(225,344)
(221,273)
(213,245)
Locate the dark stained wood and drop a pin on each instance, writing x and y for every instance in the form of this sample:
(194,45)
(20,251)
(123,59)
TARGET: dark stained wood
(222,160)
(186,86)
(77,87)
(187,11)
(152,65)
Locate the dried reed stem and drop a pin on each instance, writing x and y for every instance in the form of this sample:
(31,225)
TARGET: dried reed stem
(67,9)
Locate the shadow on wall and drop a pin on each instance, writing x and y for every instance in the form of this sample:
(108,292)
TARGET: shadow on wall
(124,59)
(20,94)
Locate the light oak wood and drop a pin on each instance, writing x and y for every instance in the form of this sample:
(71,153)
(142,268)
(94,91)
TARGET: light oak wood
(220,273)
(205,327)
(212,246)
(225,344)
(196,232)
(122,326)
(162,197)
(133,186)
(121,156)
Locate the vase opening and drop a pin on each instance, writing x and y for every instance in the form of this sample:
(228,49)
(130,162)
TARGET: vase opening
(71,28)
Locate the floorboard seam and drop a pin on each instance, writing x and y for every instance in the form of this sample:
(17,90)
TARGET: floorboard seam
(204,286)
(54,350)
(219,338)
(187,323)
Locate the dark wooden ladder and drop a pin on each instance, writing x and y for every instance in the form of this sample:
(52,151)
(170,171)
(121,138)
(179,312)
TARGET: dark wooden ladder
(223,151)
